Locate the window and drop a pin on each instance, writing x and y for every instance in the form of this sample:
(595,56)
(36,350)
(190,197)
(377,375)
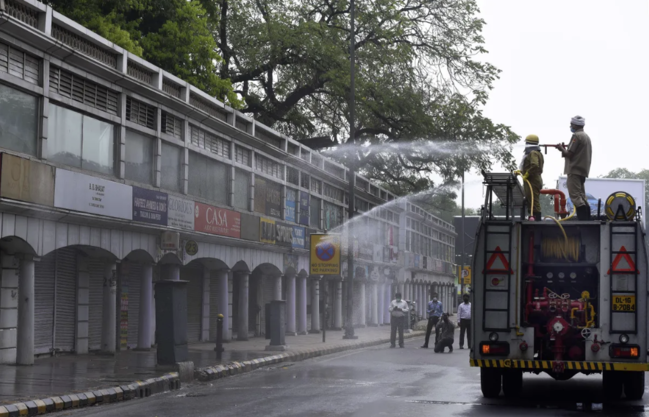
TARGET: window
(316,204)
(172,167)
(316,186)
(268,166)
(333,192)
(208,178)
(333,216)
(172,125)
(293,175)
(304,181)
(206,140)
(242,155)
(18,120)
(19,64)
(140,113)
(78,140)
(242,187)
(139,157)
(82,90)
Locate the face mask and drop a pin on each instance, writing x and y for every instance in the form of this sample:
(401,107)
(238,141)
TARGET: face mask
(572,129)
(466,300)
(434,300)
(398,300)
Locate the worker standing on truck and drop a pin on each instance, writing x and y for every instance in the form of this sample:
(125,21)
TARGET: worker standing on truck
(578,156)
(531,168)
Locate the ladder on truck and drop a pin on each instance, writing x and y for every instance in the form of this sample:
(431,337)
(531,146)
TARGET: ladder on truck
(497,250)
(623,271)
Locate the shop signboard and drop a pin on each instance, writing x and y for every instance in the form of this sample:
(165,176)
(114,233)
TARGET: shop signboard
(150,206)
(217,221)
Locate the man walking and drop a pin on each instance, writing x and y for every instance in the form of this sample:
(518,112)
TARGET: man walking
(464,320)
(446,330)
(435,311)
(577,167)
(398,309)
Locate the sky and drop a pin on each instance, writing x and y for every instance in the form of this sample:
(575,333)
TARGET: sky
(561,58)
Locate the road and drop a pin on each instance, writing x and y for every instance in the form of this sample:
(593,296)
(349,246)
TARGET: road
(369,383)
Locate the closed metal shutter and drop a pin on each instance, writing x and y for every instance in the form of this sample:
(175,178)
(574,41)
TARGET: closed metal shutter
(134,283)
(96,269)
(214,305)
(194,301)
(44,303)
(66,299)
(266,297)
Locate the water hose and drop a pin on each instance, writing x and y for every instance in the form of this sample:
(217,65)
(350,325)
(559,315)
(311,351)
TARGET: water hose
(518,172)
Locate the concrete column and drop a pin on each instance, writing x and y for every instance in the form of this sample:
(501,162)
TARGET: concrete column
(26,298)
(421,299)
(242,316)
(291,328)
(386,301)
(109,318)
(338,306)
(363,308)
(205,306)
(9,305)
(380,302)
(301,306)
(315,306)
(223,302)
(83,306)
(374,303)
(170,272)
(277,288)
(144,336)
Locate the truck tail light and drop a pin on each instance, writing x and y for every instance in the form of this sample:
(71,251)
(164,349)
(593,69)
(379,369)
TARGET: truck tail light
(624,351)
(494,348)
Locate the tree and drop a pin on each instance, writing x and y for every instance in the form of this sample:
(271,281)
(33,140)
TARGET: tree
(420,80)
(175,35)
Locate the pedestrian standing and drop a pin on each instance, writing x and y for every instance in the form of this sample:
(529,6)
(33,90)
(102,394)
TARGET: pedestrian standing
(398,309)
(446,330)
(435,311)
(464,320)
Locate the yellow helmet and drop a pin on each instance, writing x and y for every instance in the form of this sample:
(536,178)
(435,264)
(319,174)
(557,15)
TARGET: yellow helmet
(532,139)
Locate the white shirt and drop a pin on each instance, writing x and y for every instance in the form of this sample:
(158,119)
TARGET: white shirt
(464,311)
(398,308)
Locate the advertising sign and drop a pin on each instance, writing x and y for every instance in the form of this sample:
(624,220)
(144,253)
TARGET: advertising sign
(268,197)
(466,275)
(602,188)
(25,180)
(180,213)
(290,261)
(81,192)
(299,237)
(149,206)
(378,253)
(260,195)
(304,208)
(324,255)
(366,251)
(217,221)
(291,203)
(267,231)
(249,227)
(283,234)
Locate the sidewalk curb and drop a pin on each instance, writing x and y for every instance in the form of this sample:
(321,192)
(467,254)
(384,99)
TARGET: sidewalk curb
(137,389)
(211,373)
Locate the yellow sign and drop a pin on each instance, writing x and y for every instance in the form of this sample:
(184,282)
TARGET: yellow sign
(267,231)
(324,255)
(624,303)
(466,275)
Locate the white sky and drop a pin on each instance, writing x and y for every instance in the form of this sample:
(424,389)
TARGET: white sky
(560,58)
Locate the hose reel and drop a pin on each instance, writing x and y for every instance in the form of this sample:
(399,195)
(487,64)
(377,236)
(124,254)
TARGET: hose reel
(620,206)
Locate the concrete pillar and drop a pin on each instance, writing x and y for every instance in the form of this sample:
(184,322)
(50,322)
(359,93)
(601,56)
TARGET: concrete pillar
(301,306)
(277,288)
(386,301)
(109,317)
(223,302)
(380,301)
(26,298)
(83,306)
(242,316)
(315,306)
(9,304)
(374,303)
(170,272)
(291,328)
(144,336)
(421,299)
(363,308)
(205,306)
(338,306)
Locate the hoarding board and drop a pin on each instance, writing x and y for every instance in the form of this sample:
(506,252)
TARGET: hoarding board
(324,255)
(217,221)
(180,213)
(602,188)
(150,206)
(26,180)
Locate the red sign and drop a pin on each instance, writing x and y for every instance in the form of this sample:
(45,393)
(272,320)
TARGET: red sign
(498,255)
(623,255)
(217,221)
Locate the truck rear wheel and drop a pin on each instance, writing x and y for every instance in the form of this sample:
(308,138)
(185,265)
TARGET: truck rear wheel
(613,385)
(490,382)
(512,383)
(634,385)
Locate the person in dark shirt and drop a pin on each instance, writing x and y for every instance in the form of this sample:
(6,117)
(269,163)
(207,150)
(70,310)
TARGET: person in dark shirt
(446,331)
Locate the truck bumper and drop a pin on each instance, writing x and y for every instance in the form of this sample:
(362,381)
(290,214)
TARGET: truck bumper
(551,365)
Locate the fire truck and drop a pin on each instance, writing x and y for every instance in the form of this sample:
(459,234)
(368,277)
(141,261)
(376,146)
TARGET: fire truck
(558,296)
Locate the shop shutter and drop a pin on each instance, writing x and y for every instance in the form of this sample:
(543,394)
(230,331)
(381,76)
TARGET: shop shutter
(134,284)
(214,304)
(66,299)
(44,303)
(194,302)
(96,269)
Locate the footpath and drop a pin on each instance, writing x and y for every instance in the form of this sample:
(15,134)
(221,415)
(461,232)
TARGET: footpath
(72,381)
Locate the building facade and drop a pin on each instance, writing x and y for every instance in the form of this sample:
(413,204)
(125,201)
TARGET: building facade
(116,174)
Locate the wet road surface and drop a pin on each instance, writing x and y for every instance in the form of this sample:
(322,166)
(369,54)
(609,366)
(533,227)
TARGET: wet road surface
(373,382)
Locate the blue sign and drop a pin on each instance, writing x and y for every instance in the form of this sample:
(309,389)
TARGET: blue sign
(304,208)
(150,206)
(299,237)
(289,214)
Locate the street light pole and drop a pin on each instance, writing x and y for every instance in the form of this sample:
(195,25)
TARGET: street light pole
(463,247)
(349,329)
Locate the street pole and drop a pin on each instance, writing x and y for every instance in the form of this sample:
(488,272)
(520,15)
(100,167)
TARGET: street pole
(349,329)
(463,248)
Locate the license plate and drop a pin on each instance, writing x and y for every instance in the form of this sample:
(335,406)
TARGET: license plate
(624,303)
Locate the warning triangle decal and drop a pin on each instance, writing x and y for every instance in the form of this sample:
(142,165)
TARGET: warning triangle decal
(498,264)
(623,262)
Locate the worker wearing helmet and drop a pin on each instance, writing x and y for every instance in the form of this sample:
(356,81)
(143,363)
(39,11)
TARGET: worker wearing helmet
(578,156)
(531,168)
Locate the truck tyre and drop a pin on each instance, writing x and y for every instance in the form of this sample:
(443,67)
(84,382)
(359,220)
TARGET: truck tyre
(634,385)
(613,385)
(512,383)
(490,382)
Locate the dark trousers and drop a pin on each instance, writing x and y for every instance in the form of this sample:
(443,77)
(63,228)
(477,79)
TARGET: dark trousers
(432,322)
(443,343)
(396,323)
(465,326)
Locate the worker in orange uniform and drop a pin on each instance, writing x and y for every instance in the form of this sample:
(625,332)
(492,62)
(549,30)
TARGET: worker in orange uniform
(531,168)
